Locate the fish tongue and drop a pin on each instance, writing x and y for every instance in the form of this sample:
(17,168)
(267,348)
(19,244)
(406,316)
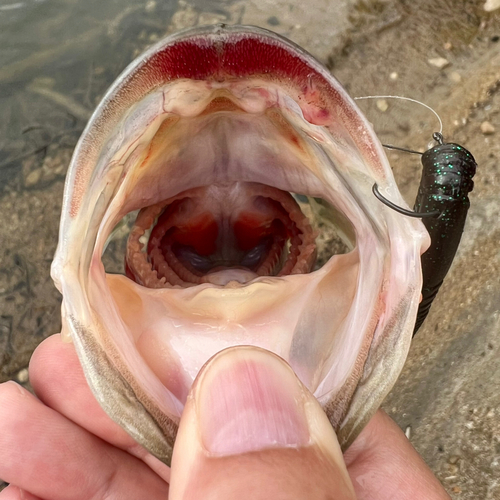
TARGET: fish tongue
(227,276)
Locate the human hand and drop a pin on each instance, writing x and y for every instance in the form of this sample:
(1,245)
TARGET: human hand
(245,405)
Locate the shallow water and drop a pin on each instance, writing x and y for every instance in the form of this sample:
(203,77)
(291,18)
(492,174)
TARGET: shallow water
(57,59)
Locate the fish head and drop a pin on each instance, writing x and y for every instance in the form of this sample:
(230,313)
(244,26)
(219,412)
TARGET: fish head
(214,136)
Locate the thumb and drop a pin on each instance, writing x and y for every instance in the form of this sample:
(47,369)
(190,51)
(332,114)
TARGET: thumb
(251,430)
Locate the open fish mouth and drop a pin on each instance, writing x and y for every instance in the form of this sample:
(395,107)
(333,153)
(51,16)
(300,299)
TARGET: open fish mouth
(211,135)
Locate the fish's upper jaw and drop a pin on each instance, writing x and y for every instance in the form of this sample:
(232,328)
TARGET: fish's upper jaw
(224,107)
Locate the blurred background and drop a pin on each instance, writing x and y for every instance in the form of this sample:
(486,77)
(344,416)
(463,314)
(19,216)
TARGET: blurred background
(58,57)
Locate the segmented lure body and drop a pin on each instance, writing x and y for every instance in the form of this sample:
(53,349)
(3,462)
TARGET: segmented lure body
(446,181)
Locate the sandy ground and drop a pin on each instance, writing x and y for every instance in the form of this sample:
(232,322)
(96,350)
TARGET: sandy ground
(447,398)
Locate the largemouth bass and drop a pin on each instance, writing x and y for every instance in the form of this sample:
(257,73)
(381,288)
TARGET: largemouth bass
(214,134)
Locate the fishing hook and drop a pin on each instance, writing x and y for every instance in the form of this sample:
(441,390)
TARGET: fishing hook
(438,137)
(399,209)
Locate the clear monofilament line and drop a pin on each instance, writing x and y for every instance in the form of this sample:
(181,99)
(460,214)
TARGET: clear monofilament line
(404,99)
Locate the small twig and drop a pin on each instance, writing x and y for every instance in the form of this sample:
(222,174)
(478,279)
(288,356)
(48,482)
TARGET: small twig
(64,101)
(38,150)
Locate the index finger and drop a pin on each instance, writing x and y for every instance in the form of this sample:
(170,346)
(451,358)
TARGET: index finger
(383,464)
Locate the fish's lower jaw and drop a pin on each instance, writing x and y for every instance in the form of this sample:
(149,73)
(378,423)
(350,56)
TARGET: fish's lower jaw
(175,331)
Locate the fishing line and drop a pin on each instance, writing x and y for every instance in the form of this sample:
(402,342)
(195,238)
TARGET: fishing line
(390,146)
(404,99)
(437,136)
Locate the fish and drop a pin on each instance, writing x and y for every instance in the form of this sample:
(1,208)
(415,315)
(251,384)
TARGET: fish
(215,136)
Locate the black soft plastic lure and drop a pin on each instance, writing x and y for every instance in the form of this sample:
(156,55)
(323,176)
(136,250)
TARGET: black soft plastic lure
(442,203)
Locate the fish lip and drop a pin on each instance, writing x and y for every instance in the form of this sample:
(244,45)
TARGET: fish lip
(70,272)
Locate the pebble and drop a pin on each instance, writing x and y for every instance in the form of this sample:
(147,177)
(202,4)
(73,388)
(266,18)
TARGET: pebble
(439,62)
(382,105)
(150,6)
(273,21)
(491,5)
(22,376)
(33,177)
(487,128)
(448,46)
(453,459)
(393,76)
(455,77)
(55,165)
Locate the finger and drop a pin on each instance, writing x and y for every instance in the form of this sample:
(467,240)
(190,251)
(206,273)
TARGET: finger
(250,430)
(49,456)
(58,380)
(15,493)
(383,464)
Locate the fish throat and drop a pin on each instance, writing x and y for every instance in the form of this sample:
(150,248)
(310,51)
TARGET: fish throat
(220,234)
